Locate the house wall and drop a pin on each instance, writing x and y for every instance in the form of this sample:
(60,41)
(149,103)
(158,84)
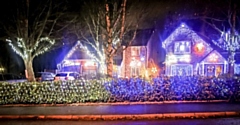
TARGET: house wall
(184,52)
(134,64)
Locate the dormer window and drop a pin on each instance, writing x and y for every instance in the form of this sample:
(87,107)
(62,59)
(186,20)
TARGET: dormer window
(182,47)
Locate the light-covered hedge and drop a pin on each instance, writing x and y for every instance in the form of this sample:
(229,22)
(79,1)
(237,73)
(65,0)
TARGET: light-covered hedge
(121,90)
(53,92)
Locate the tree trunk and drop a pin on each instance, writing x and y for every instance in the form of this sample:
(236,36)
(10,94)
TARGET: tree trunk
(109,42)
(109,62)
(29,70)
(231,60)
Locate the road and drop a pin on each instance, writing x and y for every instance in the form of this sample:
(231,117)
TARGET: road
(220,121)
(120,109)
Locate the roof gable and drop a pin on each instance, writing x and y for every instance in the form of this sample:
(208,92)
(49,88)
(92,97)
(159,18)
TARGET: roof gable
(214,57)
(183,32)
(76,52)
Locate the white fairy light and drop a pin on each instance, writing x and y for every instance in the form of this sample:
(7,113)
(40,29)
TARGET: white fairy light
(21,49)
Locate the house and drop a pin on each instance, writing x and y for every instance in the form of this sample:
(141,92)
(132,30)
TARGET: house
(77,60)
(130,62)
(186,54)
(135,57)
(189,54)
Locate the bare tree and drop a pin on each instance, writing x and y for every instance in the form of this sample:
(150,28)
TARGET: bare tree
(224,19)
(31,28)
(105,26)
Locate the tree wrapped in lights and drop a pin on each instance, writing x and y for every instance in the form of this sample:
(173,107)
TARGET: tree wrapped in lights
(231,43)
(229,40)
(30,32)
(225,24)
(104,27)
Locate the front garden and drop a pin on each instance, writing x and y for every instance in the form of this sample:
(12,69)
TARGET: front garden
(121,90)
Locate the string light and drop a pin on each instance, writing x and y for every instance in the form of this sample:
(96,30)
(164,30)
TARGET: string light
(230,43)
(184,29)
(38,48)
(100,58)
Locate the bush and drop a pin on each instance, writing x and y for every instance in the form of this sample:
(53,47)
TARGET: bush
(121,90)
(79,91)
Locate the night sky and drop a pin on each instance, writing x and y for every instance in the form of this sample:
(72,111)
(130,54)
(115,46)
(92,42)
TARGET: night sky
(163,15)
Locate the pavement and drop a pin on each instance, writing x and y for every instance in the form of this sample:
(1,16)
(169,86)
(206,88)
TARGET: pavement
(121,111)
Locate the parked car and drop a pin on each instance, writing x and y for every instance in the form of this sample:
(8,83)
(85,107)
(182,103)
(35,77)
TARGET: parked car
(44,76)
(12,78)
(62,76)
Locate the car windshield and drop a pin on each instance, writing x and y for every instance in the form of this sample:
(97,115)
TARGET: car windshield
(61,74)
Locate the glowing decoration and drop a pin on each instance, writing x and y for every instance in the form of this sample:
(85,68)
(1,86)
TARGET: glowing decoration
(213,57)
(2,69)
(135,63)
(21,49)
(182,47)
(190,34)
(185,58)
(200,46)
(229,42)
(89,63)
(171,59)
(71,63)
(154,69)
(99,56)
(210,69)
(132,63)
(142,59)
(139,64)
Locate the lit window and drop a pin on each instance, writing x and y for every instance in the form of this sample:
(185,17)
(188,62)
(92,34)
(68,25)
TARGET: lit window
(182,47)
(135,51)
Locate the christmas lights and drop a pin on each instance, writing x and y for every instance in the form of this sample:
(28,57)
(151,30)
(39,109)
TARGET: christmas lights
(21,49)
(230,43)
(99,57)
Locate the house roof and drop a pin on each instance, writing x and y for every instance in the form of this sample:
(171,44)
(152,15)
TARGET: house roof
(76,52)
(211,44)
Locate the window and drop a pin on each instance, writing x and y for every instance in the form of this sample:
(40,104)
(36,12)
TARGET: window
(135,51)
(182,47)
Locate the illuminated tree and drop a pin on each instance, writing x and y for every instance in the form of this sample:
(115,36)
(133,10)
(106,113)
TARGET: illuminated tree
(30,29)
(226,25)
(105,26)
(217,21)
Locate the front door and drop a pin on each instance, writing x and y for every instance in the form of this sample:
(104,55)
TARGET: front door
(213,69)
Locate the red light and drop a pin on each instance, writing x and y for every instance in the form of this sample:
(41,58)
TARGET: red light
(199,48)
